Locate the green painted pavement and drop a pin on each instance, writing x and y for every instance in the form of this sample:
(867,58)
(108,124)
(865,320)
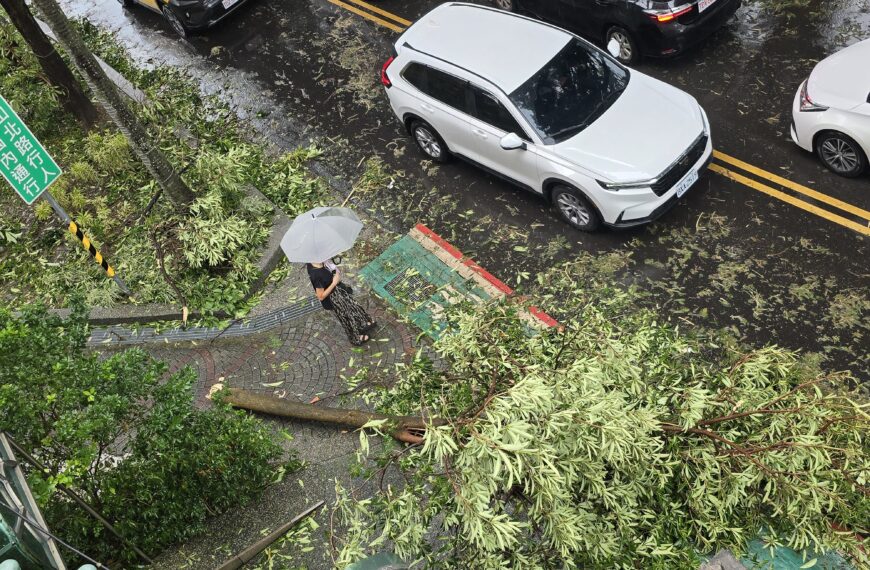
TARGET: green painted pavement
(418,285)
(759,558)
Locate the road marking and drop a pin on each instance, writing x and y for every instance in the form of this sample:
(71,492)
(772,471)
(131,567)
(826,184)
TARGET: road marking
(382,12)
(763,188)
(368,16)
(861,213)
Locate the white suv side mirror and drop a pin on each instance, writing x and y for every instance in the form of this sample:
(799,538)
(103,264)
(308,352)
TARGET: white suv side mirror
(512,141)
(613,47)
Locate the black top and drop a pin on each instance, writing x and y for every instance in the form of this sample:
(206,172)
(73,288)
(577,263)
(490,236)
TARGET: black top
(321,278)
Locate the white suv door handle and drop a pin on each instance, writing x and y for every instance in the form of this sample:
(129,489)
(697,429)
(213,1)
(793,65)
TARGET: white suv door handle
(427,107)
(480,132)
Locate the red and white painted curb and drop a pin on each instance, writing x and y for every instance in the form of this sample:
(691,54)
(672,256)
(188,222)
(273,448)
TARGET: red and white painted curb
(469,269)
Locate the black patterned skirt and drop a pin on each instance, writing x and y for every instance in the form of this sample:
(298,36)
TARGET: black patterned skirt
(351,315)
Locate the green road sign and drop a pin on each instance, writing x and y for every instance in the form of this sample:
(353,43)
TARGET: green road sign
(24,162)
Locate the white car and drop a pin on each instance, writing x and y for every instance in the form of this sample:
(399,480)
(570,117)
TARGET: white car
(548,111)
(831,111)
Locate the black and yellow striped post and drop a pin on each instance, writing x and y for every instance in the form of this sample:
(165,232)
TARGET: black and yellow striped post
(75,230)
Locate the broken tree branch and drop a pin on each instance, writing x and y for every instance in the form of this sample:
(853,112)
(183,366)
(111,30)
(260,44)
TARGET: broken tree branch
(252,551)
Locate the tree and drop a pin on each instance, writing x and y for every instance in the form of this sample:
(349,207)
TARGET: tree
(114,104)
(73,98)
(617,442)
(123,434)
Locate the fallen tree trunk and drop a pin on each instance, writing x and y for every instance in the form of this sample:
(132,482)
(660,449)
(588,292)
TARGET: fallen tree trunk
(408,429)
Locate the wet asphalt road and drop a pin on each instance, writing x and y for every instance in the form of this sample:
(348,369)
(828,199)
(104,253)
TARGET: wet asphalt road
(307,69)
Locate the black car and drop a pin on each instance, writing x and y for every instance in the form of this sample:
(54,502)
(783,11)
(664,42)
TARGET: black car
(641,27)
(186,16)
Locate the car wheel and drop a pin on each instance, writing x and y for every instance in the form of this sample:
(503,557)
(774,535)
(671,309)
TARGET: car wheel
(175,22)
(575,209)
(841,154)
(507,5)
(628,53)
(429,141)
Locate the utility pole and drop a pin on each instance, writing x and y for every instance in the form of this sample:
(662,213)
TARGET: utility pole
(73,98)
(115,105)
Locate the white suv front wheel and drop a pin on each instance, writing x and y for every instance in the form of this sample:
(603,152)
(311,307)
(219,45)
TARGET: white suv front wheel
(429,141)
(575,209)
(841,154)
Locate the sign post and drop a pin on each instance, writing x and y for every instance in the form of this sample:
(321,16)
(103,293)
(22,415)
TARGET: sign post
(30,170)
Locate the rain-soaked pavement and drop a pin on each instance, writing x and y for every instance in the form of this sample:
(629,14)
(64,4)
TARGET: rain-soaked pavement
(304,70)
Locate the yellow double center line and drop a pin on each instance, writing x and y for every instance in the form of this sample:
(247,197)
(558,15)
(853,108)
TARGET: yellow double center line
(397,24)
(860,218)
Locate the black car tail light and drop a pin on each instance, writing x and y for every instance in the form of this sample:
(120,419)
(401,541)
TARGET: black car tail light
(670,14)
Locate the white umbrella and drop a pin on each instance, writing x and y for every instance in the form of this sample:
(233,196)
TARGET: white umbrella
(320,234)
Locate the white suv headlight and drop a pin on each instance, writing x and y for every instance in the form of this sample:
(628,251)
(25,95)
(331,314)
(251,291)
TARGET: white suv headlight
(625,185)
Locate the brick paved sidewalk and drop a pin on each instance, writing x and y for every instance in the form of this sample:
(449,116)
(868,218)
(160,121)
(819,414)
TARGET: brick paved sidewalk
(291,348)
(301,358)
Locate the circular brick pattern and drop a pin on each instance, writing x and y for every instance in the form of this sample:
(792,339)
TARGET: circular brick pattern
(305,359)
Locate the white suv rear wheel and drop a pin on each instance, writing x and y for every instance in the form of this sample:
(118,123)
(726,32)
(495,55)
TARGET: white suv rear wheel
(429,141)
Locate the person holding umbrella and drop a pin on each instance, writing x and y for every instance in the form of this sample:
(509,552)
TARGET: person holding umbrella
(337,297)
(314,238)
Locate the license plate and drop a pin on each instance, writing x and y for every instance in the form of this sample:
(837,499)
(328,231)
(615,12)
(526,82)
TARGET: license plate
(704,4)
(228,3)
(687,182)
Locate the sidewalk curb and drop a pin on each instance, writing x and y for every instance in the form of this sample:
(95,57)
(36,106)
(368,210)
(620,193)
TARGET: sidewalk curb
(121,336)
(133,314)
(470,269)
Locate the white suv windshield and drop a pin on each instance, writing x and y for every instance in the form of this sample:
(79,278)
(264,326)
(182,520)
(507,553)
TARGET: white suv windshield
(570,92)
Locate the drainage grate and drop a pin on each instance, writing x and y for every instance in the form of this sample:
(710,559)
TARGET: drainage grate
(410,287)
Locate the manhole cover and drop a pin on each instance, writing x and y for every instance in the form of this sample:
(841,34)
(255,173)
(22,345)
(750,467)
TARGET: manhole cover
(409,287)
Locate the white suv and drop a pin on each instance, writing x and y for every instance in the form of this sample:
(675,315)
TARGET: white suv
(548,111)
(835,121)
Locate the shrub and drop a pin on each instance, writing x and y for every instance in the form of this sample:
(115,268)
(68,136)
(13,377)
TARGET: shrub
(123,435)
(211,234)
(288,184)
